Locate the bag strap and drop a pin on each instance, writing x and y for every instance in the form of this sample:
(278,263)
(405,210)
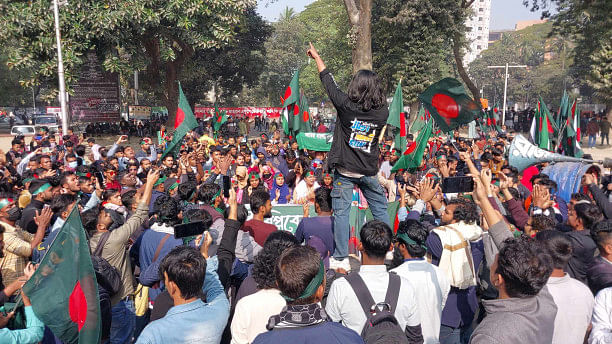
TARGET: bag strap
(159,247)
(393,290)
(466,249)
(100,246)
(362,292)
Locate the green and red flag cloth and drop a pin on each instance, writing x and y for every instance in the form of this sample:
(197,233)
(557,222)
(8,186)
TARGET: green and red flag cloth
(219,118)
(290,102)
(187,124)
(449,105)
(413,156)
(301,118)
(320,142)
(420,120)
(397,119)
(570,138)
(63,290)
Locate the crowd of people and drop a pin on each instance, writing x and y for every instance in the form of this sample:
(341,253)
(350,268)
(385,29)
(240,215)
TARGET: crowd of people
(508,262)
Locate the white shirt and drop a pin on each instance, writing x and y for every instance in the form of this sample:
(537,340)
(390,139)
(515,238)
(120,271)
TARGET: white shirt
(385,168)
(602,318)
(343,305)
(301,190)
(575,303)
(431,287)
(252,314)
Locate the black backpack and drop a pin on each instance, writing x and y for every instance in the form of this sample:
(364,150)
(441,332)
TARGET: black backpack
(381,326)
(107,275)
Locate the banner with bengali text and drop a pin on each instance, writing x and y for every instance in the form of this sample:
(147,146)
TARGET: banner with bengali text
(239,112)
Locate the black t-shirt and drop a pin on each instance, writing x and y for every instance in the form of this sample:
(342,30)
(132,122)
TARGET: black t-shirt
(355,145)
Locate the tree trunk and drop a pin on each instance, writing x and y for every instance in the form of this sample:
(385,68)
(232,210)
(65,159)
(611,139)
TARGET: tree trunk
(462,72)
(360,18)
(414,110)
(171,100)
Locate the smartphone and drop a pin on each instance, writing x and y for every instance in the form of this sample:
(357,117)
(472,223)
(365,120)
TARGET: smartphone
(457,184)
(189,229)
(100,177)
(227,184)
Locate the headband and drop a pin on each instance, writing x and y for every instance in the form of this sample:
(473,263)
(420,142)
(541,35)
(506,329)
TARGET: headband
(406,239)
(440,157)
(309,173)
(27,180)
(173,186)
(160,180)
(253,175)
(81,174)
(5,201)
(312,287)
(277,174)
(217,194)
(42,188)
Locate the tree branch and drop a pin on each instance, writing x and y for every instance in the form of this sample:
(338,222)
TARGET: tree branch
(352,11)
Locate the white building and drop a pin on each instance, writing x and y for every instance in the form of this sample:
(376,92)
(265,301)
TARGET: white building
(478,30)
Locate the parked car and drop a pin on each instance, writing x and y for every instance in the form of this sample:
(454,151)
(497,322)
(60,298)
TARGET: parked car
(5,123)
(49,121)
(23,130)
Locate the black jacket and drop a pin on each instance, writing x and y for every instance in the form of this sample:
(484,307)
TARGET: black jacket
(582,255)
(26,222)
(355,145)
(599,275)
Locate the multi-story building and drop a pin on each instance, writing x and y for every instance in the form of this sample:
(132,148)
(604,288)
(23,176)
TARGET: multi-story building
(478,30)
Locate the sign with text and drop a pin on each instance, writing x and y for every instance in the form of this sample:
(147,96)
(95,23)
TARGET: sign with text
(247,111)
(96,93)
(139,112)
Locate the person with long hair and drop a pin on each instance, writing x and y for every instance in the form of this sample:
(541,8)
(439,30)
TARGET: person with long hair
(353,158)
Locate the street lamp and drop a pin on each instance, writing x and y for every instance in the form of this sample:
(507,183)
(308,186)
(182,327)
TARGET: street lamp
(506,86)
(60,67)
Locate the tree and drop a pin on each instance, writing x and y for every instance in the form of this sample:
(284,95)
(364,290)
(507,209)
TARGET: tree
(360,18)
(153,35)
(287,14)
(589,24)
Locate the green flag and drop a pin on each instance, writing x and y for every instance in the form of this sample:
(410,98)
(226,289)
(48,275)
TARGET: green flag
(320,142)
(420,120)
(63,290)
(301,119)
(290,102)
(449,105)
(569,140)
(545,127)
(397,119)
(189,123)
(413,157)
(219,119)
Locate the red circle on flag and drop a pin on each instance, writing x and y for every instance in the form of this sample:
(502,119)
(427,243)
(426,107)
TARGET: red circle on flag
(446,106)
(287,93)
(305,116)
(296,110)
(77,306)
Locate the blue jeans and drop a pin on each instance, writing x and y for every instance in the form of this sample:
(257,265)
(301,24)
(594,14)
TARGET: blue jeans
(342,196)
(592,141)
(123,323)
(450,335)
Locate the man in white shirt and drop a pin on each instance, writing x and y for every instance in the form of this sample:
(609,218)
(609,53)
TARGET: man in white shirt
(430,284)
(573,298)
(342,303)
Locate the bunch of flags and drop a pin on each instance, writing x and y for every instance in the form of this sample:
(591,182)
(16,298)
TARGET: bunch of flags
(295,117)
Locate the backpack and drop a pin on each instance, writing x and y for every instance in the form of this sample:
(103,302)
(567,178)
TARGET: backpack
(381,326)
(107,275)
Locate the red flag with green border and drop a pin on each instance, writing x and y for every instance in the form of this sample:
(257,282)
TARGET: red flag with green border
(63,290)
(449,105)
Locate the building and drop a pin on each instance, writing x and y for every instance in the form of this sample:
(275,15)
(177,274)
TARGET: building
(527,23)
(495,36)
(478,30)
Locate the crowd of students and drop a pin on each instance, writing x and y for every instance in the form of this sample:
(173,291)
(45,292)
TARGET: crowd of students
(509,262)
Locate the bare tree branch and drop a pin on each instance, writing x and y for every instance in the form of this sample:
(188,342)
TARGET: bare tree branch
(352,11)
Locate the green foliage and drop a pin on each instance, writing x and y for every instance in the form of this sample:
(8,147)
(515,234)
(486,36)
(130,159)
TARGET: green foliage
(128,34)
(547,60)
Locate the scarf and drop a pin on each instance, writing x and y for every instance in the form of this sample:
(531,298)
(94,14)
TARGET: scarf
(118,208)
(284,192)
(294,316)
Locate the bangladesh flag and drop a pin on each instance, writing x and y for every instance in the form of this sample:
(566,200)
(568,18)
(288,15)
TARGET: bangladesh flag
(188,123)
(320,142)
(563,110)
(397,119)
(290,102)
(420,120)
(449,105)
(219,119)
(63,290)
(413,157)
(301,118)
(570,142)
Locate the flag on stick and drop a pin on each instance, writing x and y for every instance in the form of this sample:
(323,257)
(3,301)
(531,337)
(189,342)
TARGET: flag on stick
(414,155)
(63,290)
(449,105)
(188,123)
(290,102)
(397,119)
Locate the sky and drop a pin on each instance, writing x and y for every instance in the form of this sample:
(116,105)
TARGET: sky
(504,13)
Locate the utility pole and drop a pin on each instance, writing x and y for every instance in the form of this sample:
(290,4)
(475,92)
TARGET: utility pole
(60,70)
(506,86)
